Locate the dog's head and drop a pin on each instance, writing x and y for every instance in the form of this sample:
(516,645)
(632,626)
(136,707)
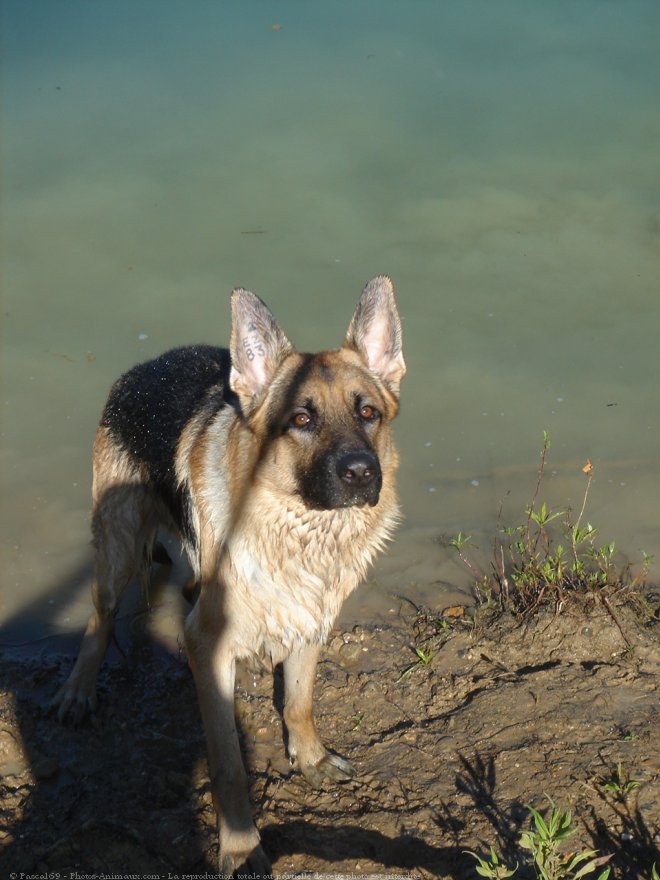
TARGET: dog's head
(322,420)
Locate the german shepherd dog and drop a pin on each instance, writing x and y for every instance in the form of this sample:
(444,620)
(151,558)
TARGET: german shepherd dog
(276,470)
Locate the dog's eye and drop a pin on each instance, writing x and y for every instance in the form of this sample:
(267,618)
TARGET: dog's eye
(301,420)
(369,413)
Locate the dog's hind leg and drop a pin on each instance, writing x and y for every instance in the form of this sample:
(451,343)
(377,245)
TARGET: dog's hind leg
(123,524)
(304,745)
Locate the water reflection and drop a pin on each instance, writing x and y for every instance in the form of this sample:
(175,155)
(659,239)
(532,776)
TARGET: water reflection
(498,160)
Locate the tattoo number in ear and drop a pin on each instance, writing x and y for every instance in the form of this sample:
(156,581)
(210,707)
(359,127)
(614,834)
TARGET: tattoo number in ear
(253,346)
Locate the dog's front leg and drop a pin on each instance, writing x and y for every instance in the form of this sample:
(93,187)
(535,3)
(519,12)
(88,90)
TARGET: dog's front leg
(304,745)
(213,666)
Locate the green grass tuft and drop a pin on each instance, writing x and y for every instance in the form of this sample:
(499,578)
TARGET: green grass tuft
(551,559)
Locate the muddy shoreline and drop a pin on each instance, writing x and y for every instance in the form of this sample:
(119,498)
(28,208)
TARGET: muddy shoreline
(448,753)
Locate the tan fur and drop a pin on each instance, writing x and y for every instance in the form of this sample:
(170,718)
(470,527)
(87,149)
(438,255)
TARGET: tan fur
(291,568)
(273,568)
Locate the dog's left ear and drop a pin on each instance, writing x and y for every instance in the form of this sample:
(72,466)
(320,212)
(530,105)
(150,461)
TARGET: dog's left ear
(257,346)
(375,332)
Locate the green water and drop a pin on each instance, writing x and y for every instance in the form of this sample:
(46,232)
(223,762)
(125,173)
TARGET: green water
(498,159)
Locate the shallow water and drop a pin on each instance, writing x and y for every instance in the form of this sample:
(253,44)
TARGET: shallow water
(498,160)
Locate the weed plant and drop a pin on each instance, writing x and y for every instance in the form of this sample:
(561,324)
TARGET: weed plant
(550,558)
(620,784)
(424,657)
(544,842)
(430,630)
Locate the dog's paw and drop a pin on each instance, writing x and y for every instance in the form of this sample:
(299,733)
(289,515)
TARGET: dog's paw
(73,703)
(240,864)
(329,767)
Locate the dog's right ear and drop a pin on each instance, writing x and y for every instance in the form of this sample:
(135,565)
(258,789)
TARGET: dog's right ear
(257,346)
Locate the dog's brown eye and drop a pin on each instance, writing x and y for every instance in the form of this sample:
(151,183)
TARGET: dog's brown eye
(301,420)
(368,413)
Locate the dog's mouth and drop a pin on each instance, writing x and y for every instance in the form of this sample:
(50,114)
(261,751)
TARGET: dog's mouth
(339,503)
(360,501)
(337,497)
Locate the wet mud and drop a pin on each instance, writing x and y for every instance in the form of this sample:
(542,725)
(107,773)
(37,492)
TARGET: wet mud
(450,747)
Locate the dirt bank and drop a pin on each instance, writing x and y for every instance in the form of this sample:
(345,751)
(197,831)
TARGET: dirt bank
(448,754)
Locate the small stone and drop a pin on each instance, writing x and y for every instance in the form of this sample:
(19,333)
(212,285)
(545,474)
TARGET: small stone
(350,651)
(454,612)
(369,688)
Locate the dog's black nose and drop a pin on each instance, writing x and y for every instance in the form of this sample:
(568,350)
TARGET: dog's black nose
(358,469)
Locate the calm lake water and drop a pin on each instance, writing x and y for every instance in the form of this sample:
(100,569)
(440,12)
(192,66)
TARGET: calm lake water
(498,159)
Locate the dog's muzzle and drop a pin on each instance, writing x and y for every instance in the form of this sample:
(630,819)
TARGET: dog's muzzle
(343,478)
(360,478)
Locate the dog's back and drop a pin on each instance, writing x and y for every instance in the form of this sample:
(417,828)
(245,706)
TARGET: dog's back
(145,416)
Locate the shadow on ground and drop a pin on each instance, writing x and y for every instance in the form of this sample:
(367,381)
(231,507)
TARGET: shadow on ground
(447,756)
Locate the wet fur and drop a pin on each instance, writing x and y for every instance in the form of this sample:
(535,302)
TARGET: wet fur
(280,523)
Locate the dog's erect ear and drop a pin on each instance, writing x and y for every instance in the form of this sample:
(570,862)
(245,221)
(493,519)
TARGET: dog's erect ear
(257,346)
(375,332)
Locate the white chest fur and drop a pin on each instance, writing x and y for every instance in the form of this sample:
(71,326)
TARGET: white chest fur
(292,572)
